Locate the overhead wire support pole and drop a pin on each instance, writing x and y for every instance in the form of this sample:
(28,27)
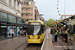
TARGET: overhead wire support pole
(64,7)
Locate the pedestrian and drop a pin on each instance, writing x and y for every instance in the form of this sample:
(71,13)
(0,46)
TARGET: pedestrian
(12,34)
(25,32)
(56,33)
(62,34)
(22,33)
(53,33)
(66,35)
(59,33)
(48,31)
(19,34)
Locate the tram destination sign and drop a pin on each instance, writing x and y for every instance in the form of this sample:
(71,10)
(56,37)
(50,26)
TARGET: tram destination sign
(34,23)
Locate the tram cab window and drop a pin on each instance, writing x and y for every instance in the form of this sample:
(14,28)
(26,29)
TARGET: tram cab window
(42,27)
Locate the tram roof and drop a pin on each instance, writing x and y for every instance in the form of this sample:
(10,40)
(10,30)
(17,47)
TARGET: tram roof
(36,21)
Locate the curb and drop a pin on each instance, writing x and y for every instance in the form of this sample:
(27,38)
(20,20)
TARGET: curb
(43,43)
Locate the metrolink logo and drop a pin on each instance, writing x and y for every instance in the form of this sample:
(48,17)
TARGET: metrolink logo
(66,47)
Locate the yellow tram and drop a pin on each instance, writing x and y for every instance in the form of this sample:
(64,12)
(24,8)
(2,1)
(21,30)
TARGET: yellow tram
(35,32)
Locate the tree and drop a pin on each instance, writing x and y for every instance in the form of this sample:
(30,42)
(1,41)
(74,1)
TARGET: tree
(50,22)
(59,25)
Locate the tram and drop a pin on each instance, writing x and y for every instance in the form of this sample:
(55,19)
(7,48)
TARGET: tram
(35,32)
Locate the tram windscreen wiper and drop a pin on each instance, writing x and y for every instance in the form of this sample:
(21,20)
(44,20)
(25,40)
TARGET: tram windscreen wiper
(36,29)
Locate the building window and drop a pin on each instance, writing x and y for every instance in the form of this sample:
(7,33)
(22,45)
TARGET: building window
(40,18)
(11,19)
(18,3)
(26,20)
(3,0)
(3,16)
(32,3)
(26,8)
(21,2)
(20,21)
(26,14)
(31,14)
(9,2)
(31,19)
(14,3)
(22,15)
(31,8)
(22,8)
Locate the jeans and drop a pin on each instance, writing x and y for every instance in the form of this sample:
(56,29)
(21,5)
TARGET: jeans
(53,37)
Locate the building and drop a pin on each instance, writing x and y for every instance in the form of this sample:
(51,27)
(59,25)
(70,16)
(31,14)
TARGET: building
(65,16)
(29,10)
(36,13)
(10,17)
(41,18)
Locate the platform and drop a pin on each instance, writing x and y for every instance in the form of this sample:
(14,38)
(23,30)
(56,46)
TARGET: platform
(49,45)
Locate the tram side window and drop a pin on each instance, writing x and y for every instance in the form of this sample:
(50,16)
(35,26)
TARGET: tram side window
(42,27)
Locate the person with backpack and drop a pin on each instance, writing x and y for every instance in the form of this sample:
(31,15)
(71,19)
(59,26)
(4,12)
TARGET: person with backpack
(19,34)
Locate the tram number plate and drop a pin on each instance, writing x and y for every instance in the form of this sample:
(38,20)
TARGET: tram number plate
(33,38)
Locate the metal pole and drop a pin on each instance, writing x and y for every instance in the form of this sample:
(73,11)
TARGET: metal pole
(64,7)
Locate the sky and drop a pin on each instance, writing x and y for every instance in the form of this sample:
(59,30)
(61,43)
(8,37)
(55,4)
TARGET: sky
(49,8)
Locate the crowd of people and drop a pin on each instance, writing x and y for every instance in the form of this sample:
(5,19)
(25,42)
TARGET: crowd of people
(22,33)
(56,32)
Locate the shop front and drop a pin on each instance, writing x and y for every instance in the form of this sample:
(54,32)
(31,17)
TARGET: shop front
(9,23)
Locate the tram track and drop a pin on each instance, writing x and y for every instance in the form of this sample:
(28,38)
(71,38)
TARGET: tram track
(20,45)
(26,46)
(33,47)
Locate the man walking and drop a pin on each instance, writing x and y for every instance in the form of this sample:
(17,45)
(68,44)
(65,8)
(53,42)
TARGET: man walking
(48,31)
(53,33)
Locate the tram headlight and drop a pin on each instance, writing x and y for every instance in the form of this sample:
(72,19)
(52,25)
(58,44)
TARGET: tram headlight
(28,37)
(38,37)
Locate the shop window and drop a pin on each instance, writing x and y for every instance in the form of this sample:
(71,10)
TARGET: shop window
(3,16)
(11,19)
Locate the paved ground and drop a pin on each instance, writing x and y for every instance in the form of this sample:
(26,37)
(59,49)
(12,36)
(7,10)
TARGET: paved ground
(13,44)
(20,43)
(48,45)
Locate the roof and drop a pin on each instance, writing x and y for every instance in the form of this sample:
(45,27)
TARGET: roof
(28,0)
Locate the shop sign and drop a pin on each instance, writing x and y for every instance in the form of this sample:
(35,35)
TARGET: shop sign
(3,23)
